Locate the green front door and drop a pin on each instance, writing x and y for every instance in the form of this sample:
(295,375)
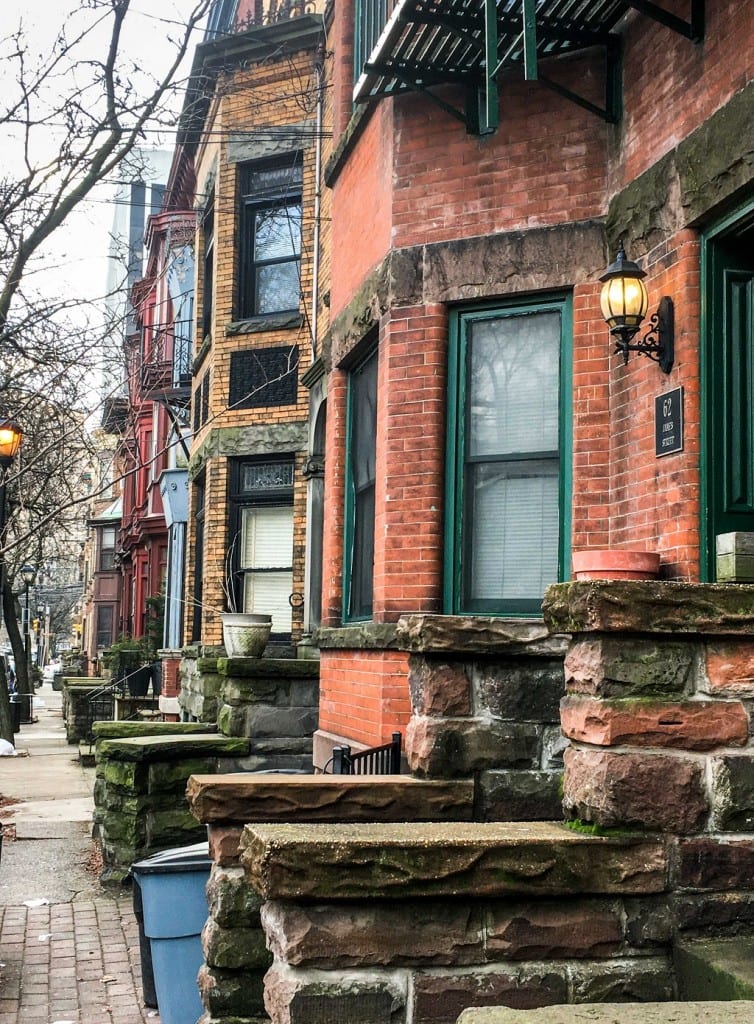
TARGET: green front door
(729,387)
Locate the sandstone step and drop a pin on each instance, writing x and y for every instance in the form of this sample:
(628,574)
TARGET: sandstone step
(87,758)
(716,968)
(172,747)
(622,1013)
(394,861)
(250,797)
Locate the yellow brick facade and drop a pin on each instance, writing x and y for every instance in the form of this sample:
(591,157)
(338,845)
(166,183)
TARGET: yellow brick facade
(262,110)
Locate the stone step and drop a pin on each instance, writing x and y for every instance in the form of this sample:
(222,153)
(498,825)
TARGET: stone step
(395,861)
(87,757)
(616,1013)
(247,797)
(716,968)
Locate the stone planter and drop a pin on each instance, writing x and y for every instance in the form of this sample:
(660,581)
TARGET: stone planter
(245,635)
(615,564)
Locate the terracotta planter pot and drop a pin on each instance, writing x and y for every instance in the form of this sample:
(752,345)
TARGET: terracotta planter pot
(614,564)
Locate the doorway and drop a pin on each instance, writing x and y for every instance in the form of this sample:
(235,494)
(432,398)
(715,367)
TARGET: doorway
(727,382)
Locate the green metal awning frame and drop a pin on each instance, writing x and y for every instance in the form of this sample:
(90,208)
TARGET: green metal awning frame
(425,44)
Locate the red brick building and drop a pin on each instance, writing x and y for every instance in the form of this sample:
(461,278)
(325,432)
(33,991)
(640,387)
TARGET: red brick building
(481,426)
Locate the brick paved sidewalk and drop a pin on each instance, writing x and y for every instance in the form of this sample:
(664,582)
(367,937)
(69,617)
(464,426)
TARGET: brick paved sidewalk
(71,962)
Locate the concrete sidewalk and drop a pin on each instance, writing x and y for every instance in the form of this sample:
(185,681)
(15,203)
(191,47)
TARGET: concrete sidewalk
(69,949)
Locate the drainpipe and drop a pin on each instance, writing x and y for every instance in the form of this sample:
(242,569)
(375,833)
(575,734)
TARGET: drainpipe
(319,71)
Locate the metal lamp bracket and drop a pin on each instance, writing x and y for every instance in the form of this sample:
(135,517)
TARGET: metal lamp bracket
(658,344)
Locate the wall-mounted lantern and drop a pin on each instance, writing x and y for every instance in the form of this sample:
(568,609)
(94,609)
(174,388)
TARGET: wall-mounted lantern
(624,305)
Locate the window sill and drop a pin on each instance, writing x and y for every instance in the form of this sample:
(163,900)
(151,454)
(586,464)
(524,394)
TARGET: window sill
(260,324)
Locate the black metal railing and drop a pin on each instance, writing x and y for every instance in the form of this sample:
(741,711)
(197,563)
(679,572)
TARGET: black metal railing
(371,17)
(166,357)
(382,760)
(102,705)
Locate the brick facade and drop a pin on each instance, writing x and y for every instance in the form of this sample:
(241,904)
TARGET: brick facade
(260,112)
(427,218)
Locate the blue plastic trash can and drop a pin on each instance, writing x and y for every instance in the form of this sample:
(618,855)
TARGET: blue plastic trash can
(174,906)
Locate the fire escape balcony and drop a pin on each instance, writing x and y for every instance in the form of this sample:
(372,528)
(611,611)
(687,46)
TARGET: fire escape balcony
(224,20)
(420,45)
(166,363)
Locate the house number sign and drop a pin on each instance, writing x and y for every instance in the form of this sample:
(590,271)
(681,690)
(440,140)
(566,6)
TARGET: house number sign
(669,422)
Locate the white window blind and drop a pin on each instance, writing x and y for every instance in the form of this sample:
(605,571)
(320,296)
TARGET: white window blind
(267,561)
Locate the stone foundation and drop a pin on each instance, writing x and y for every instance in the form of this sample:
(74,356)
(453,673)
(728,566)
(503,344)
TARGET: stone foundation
(412,923)
(236,957)
(76,694)
(660,681)
(485,696)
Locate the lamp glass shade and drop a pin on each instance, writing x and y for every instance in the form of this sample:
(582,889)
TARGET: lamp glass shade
(624,302)
(28,572)
(10,440)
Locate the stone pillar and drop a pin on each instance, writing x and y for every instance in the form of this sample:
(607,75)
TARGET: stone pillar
(660,681)
(485,697)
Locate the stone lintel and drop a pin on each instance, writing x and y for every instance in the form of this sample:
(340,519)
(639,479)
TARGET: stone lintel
(480,859)
(267,668)
(378,636)
(320,798)
(650,607)
(173,747)
(474,634)
(739,1012)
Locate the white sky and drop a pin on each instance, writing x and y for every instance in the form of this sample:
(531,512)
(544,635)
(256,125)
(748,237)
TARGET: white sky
(76,263)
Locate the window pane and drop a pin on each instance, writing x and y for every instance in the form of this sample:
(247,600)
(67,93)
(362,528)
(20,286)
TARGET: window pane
(513,545)
(278,288)
(266,538)
(513,374)
(277,233)
(364,424)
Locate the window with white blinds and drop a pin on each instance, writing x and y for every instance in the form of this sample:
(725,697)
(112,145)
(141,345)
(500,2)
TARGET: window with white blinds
(506,532)
(266,562)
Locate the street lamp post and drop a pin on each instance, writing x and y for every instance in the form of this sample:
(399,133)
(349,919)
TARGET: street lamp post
(11,436)
(28,575)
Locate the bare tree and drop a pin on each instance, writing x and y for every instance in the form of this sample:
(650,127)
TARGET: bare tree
(70,116)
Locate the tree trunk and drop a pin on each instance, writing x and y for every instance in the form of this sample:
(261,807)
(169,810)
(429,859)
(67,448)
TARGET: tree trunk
(23,682)
(6,722)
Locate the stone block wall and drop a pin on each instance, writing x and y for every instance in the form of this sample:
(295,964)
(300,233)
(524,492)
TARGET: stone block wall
(273,702)
(76,694)
(660,693)
(411,923)
(199,684)
(140,789)
(234,941)
(485,697)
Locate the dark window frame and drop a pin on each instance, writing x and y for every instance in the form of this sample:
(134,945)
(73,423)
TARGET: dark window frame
(200,502)
(241,498)
(106,560)
(253,200)
(105,635)
(208,268)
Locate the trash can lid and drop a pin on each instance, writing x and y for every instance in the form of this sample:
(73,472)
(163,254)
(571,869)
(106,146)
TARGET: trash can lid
(180,858)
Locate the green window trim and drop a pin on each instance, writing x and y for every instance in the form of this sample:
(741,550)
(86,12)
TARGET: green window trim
(358,574)
(459,464)
(718,268)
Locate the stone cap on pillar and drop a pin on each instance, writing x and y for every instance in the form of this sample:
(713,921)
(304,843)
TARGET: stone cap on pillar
(650,607)
(248,797)
(446,859)
(477,634)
